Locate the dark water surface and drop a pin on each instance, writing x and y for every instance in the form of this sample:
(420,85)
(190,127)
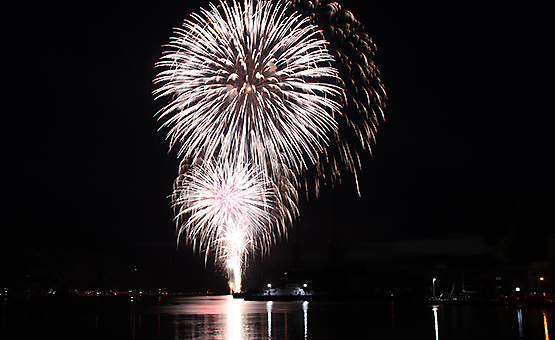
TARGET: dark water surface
(222,317)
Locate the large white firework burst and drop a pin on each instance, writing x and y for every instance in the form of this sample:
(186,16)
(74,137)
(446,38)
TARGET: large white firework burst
(246,85)
(229,209)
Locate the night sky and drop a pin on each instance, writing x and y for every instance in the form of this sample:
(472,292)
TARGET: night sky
(464,159)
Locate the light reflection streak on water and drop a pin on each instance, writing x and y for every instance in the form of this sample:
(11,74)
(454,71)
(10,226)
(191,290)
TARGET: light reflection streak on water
(520,328)
(269,309)
(234,318)
(435,308)
(286,331)
(305,314)
(392,315)
(132,321)
(4,312)
(545,325)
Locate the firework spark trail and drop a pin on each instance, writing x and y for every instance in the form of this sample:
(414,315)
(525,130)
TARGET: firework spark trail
(229,208)
(365,96)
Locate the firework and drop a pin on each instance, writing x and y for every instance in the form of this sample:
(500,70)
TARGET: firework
(230,209)
(247,92)
(256,98)
(353,51)
(246,85)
